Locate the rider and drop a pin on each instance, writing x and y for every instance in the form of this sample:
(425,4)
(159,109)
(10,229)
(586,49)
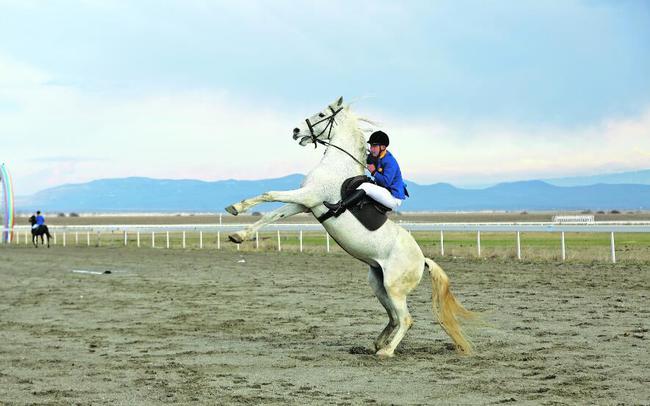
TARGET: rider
(40,220)
(389,188)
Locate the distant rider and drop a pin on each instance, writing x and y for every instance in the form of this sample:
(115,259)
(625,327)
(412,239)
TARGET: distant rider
(40,220)
(389,188)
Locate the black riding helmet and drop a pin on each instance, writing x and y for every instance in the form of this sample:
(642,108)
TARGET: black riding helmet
(379,137)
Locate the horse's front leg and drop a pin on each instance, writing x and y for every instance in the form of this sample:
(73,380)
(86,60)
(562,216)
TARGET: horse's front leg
(285,211)
(307,197)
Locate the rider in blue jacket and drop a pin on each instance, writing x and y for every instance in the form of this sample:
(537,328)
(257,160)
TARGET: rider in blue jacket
(389,188)
(40,220)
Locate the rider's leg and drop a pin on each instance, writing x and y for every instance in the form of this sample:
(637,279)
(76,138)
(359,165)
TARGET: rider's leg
(350,200)
(381,195)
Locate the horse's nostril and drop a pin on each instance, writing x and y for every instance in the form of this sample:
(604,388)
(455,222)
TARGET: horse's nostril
(296,130)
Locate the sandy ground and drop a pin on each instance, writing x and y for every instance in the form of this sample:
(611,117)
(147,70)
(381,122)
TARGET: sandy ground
(173,326)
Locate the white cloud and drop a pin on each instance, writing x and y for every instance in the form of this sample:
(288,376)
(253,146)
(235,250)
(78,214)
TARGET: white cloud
(484,153)
(57,134)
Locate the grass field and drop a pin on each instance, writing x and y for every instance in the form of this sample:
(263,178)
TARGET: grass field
(227,327)
(307,218)
(631,247)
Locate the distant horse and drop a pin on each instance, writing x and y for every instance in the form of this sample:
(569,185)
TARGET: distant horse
(396,261)
(39,232)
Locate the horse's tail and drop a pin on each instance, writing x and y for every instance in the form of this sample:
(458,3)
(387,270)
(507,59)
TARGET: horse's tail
(447,309)
(47,231)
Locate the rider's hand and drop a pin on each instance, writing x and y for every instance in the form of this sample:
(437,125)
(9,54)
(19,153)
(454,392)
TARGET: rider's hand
(371,168)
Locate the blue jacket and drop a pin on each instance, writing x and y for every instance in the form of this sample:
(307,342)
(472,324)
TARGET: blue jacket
(388,175)
(40,220)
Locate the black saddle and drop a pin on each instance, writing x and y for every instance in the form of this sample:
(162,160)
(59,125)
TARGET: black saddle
(369,212)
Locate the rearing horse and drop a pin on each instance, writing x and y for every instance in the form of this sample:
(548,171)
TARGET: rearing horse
(395,259)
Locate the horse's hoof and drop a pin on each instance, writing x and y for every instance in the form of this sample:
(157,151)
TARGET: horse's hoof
(385,353)
(236,238)
(231,209)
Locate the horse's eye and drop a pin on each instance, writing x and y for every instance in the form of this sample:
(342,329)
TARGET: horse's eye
(321,115)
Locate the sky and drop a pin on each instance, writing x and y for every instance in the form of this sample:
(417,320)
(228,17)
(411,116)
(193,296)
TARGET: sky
(471,92)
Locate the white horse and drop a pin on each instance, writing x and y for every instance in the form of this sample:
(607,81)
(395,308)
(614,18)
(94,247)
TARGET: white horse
(395,259)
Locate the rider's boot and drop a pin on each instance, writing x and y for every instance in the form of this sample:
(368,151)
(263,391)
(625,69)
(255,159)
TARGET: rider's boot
(353,198)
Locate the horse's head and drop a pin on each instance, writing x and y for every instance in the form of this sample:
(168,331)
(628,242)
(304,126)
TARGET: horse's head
(32,220)
(320,126)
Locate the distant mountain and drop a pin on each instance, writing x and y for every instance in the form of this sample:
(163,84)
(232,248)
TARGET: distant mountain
(528,195)
(636,177)
(152,195)
(164,195)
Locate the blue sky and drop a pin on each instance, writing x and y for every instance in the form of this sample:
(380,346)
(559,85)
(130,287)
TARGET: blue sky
(471,92)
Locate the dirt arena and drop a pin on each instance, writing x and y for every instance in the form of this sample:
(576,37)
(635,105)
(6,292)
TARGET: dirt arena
(209,327)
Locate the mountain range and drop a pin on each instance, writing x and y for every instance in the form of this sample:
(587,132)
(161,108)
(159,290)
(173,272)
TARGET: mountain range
(137,194)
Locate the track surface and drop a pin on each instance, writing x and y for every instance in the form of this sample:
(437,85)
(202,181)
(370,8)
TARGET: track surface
(203,327)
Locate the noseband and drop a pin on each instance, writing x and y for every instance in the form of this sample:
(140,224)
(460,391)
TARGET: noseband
(331,120)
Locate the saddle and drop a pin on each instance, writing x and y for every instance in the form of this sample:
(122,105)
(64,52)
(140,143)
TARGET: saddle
(369,212)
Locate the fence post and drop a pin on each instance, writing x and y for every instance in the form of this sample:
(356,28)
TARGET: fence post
(88,238)
(327,240)
(518,245)
(54,238)
(478,243)
(300,240)
(257,240)
(442,243)
(126,236)
(76,238)
(279,245)
(183,239)
(563,248)
(26,237)
(200,239)
(153,239)
(99,236)
(219,239)
(64,238)
(137,237)
(167,233)
(611,236)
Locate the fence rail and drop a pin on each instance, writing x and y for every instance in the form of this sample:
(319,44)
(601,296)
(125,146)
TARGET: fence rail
(159,234)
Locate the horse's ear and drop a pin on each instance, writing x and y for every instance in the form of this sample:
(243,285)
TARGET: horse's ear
(340,101)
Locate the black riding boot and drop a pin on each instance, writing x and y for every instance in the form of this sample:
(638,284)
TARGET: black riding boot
(353,198)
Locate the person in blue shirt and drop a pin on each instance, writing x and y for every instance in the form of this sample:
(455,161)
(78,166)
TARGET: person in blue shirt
(40,220)
(389,188)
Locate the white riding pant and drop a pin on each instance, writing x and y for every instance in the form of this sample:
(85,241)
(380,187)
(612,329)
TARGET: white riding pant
(381,195)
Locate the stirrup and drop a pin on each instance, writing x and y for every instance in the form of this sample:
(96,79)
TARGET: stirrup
(335,208)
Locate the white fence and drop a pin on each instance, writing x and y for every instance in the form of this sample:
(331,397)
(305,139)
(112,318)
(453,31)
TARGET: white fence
(154,232)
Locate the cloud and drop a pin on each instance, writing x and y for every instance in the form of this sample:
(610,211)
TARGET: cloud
(485,153)
(58,133)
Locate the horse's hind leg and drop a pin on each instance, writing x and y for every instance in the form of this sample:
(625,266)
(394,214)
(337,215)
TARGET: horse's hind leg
(376,281)
(398,285)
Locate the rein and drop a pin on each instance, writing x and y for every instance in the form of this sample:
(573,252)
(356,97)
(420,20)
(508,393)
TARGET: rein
(331,120)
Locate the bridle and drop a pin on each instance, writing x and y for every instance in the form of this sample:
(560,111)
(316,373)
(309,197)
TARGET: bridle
(331,121)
